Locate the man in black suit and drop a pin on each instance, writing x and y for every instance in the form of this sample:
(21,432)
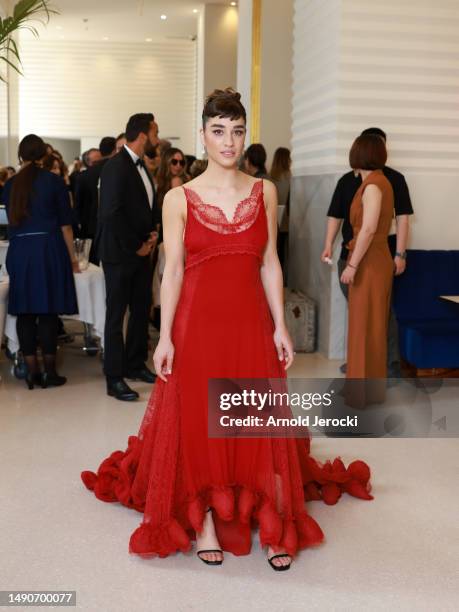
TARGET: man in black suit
(87,194)
(127,232)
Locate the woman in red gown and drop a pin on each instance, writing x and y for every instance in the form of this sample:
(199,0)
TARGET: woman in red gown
(222,316)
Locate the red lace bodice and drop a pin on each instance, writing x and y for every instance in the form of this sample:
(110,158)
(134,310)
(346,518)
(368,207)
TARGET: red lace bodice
(209,233)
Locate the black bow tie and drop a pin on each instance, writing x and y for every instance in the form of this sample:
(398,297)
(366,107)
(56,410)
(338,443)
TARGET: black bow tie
(140,163)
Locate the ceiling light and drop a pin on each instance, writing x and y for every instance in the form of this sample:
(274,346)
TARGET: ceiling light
(233,3)
(195,10)
(164,17)
(105,38)
(148,39)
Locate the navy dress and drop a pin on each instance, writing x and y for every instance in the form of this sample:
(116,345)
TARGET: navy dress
(38,262)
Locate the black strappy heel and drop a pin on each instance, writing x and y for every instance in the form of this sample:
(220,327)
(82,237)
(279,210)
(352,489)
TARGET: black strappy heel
(211,550)
(279,568)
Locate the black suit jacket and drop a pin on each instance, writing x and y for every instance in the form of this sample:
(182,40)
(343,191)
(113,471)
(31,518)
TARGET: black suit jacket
(87,199)
(125,218)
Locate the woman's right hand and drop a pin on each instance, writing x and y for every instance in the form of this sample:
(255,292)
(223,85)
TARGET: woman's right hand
(163,358)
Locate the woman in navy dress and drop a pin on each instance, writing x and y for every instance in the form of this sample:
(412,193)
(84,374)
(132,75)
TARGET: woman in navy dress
(40,259)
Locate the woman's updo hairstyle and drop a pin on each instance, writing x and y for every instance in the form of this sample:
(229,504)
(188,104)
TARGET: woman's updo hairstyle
(225,103)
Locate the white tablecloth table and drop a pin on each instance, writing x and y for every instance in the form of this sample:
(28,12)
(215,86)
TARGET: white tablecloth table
(90,291)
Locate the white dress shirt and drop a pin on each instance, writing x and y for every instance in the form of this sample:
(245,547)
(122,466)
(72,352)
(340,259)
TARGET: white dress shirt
(143,173)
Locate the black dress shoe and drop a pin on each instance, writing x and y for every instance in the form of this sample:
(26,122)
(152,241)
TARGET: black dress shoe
(143,374)
(121,391)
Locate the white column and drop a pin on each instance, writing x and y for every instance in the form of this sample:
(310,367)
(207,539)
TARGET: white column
(12,114)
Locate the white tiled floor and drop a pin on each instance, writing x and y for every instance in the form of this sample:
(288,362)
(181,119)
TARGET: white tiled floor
(398,552)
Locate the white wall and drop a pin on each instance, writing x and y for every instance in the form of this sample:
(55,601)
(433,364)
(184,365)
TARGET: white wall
(358,64)
(394,65)
(399,69)
(89,90)
(276,75)
(316,34)
(216,56)
(220,47)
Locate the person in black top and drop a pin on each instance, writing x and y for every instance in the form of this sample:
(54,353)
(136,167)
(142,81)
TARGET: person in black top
(87,194)
(128,221)
(255,161)
(338,216)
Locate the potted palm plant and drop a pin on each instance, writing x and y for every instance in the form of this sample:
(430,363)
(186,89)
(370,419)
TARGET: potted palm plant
(20,17)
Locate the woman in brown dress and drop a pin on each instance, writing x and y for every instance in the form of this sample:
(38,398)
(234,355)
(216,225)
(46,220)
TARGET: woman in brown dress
(370,267)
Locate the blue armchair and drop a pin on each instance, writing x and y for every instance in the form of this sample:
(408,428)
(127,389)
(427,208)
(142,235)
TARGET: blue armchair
(428,325)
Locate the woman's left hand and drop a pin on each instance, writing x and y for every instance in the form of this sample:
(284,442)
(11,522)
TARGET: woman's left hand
(347,277)
(284,346)
(76,267)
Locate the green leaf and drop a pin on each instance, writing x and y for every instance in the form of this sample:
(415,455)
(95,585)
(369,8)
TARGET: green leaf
(16,68)
(24,12)
(13,48)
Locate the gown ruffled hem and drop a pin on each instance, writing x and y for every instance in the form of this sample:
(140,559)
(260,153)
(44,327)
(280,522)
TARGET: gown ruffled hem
(233,504)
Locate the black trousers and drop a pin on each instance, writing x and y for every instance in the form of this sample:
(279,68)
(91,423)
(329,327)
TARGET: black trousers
(42,327)
(128,286)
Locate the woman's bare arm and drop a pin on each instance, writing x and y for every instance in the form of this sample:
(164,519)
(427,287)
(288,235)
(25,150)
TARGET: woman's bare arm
(174,216)
(371,200)
(67,232)
(271,272)
(271,277)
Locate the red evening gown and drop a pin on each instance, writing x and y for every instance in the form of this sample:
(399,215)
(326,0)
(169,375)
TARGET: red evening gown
(171,471)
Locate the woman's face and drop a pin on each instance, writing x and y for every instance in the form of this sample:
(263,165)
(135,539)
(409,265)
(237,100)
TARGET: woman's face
(153,163)
(56,169)
(177,164)
(224,140)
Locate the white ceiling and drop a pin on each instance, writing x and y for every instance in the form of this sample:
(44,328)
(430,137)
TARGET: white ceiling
(123,20)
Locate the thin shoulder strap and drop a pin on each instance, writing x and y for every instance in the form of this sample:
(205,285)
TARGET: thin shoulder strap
(190,195)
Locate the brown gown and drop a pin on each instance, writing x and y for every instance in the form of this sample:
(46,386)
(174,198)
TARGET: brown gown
(369,295)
